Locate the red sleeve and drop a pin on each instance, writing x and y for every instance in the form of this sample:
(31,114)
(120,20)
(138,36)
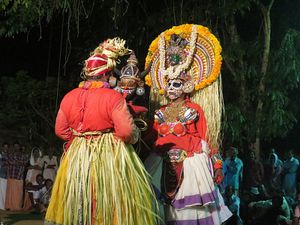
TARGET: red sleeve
(62,128)
(201,125)
(123,121)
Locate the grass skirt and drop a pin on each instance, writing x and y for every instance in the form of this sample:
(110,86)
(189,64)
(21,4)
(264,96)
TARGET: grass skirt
(101,181)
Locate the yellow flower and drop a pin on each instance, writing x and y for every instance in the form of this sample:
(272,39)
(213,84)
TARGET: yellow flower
(148,80)
(161,91)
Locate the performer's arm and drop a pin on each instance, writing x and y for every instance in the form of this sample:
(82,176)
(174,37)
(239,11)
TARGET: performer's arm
(124,127)
(62,128)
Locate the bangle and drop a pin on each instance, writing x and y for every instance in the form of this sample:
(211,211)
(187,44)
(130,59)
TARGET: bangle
(218,164)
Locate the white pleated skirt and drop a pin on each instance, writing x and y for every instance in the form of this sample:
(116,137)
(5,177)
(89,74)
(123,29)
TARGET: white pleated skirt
(198,200)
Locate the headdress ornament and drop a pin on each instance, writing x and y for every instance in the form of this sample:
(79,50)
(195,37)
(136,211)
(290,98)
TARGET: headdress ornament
(104,58)
(131,70)
(190,50)
(130,78)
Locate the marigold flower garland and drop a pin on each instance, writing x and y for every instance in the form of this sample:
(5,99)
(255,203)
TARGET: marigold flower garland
(173,71)
(186,31)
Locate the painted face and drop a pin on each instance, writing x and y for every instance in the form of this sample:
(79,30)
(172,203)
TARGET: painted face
(174,89)
(127,86)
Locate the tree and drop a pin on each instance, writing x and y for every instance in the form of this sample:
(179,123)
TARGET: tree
(28,106)
(258,56)
(263,109)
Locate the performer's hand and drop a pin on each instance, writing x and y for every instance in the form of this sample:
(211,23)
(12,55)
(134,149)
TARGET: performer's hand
(218,176)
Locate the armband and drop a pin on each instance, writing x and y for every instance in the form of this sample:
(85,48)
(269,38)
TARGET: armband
(218,164)
(217,161)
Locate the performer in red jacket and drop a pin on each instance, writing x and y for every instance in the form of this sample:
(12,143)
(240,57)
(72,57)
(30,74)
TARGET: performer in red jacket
(185,167)
(100,180)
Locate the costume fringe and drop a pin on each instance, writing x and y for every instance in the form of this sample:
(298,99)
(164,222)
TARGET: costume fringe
(101,181)
(211,101)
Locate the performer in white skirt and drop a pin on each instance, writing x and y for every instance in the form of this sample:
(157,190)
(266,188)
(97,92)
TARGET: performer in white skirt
(186,166)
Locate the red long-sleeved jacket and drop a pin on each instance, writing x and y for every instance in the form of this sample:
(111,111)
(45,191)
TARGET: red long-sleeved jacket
(94,109)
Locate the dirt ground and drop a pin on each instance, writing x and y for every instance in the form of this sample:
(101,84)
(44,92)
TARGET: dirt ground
(20,218)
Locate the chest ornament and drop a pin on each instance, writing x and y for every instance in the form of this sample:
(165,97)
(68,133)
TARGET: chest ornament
(178,124)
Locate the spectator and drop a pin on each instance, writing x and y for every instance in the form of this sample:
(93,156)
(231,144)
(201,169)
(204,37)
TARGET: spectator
(43,196)
(3,174)
(274,211)
(50,165)
(296,219)
(15,178)
(233,203)
(273,167)
(35,166)
(290,167)
(33,188)
(253,173)
(233,170)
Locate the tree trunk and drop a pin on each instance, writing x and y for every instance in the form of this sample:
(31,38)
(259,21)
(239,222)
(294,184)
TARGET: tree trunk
(264,67)
(237,68)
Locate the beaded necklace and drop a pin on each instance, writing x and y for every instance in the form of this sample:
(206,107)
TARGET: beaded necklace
(174,111)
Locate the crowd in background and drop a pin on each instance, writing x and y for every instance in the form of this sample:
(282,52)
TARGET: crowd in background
(26,177)
(256,191)
(265,191)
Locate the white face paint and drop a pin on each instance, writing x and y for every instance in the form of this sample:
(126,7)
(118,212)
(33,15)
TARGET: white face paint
(174,89)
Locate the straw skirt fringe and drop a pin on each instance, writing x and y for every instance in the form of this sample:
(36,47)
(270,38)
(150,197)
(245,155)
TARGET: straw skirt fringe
(101,181)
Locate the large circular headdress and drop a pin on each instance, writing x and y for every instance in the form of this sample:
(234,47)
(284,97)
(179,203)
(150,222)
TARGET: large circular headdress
(202,56)
(191,50)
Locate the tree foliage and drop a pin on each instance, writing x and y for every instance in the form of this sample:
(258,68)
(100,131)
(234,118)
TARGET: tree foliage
(22,15)
(259,39)
(28,106)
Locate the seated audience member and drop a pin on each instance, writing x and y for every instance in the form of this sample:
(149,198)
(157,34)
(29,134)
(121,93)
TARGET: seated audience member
(34,188)
(233,203)
(274,211)
(296,219)
(42,197)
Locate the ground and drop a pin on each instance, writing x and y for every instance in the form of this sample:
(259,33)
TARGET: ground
(20,218)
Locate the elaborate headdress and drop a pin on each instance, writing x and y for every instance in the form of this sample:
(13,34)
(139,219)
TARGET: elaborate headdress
(104,58)
(130,76)
(191,53)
